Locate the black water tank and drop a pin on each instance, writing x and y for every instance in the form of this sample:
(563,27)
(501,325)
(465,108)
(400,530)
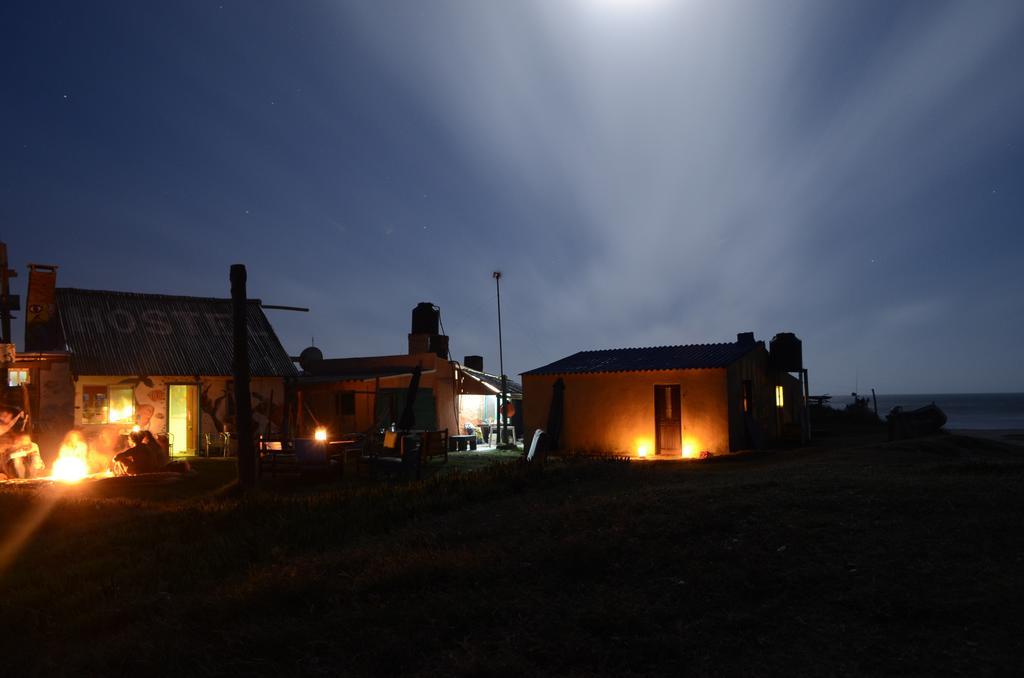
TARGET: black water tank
(425,318)
(787,352)
(310,358)
(474,362)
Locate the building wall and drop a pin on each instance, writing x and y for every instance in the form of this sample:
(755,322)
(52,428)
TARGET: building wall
(51,398)
(768,420)
(438,378)
(614,413)
(150,403)
(761,427)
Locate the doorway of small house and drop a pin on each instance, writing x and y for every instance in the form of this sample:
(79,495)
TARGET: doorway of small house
(668,420)
(182,418)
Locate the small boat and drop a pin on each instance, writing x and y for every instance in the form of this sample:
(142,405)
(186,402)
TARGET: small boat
(924,421)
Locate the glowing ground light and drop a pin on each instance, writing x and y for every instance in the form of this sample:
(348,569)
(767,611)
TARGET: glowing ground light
(320,435)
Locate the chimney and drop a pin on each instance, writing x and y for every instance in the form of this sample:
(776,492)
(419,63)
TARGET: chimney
(474,362)
(41,329)
(745,338)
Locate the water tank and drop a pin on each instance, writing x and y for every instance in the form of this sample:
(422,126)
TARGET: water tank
(474,362)
(425,318)
(309,358)
(787,352)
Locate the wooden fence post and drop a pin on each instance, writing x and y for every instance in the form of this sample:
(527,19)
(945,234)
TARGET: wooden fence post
(247,465)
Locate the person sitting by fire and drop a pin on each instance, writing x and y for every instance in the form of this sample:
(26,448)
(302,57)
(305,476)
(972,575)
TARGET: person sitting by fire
(145,455)
(23,458)
(9,416)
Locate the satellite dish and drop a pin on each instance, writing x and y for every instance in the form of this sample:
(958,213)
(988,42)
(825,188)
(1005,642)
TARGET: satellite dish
(310,357)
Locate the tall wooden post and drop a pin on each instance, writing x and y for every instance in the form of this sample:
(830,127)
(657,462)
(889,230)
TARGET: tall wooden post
(247,466)
(5,293)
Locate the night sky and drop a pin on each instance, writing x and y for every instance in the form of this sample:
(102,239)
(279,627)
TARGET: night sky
(643,172)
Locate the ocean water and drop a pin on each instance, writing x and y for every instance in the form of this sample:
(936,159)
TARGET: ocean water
(963,410)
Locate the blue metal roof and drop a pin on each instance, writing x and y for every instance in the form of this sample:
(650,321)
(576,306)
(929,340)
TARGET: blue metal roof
(686,357)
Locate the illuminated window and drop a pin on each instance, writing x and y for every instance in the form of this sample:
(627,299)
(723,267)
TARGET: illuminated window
(17,377)
(108,405)
(122,405)
(747,396)
(779,397)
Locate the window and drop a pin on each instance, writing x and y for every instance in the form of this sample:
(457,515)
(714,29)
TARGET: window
(122,405)
(780,399)
(346,403)
(94,404)
(747,396)
(108,405)
(18,376)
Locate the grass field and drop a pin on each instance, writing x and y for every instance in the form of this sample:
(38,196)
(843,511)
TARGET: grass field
(860,559)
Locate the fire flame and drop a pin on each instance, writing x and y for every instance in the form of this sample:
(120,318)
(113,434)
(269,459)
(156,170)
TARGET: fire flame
(70,469)
(72,462)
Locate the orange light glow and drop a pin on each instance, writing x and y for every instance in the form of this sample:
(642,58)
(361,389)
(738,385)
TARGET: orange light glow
(136,428)
(320,435)
(691,449)
(72,462)
(643,447)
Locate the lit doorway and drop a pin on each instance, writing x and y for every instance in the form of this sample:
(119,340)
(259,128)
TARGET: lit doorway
(182,418)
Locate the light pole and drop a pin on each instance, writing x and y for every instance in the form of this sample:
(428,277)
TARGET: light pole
(501,366)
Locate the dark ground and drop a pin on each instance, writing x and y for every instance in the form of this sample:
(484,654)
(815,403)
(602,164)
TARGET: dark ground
(872,559)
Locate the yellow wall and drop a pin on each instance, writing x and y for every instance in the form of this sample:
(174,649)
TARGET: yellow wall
(610,413)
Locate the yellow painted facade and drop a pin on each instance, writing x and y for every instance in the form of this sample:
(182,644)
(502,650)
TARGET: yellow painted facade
(613,413)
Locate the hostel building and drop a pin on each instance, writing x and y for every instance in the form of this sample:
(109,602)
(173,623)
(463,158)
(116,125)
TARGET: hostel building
(103,362)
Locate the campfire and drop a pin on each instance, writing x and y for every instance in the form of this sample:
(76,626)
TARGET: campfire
(72,463)
(75,461)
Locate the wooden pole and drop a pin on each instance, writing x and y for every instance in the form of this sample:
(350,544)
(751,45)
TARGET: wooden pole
(5,292)
(806,409)
(5,309)
(247,467)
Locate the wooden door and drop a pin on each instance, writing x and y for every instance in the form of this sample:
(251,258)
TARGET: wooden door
(668,420)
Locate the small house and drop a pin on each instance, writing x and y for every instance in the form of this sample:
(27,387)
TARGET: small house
(671,401)
(104,362)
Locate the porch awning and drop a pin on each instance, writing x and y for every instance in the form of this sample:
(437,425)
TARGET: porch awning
(472,382)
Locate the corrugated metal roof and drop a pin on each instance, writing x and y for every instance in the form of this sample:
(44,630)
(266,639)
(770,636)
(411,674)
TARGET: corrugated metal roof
(125,333)
(687,357)
(513,388)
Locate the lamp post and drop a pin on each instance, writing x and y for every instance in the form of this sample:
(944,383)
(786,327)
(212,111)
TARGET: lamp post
(501,366)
